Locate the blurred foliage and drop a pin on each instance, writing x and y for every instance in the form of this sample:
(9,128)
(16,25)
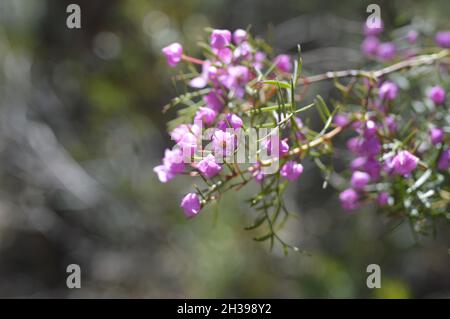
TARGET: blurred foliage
(81,128)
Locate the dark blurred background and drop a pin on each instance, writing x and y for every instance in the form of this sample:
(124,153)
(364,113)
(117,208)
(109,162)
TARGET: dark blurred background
(81,129)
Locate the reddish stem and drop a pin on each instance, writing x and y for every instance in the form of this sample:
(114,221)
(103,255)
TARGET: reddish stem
(192,60)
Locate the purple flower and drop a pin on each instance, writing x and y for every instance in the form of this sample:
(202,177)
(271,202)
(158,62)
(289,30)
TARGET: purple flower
(214,100)
(388,165)
(243,50)
(291,170)
(437,94)
(239,36)
(179,132)
(404,163)
(283,146)
(372,167)
(370,146)
(234,120)
(173,160)
(373,30)
(223,142)
(354,145)
(259,59)
(358,163)
(220,39)
(208,166)
(383,198)
(349,199)
(205,114)
(412,36)
(163,174)
(386,51)
(258,174)
(236,79)
(208,72)
(225,55)
(437,135)
(370,46)
(188,144)
(173,53)
(442,39)
(283,63)
(359,179)
(172,164)
(340,120)
(191,205)
(370,129)
(388,91)
(231,120)
(444,160)
(390,123)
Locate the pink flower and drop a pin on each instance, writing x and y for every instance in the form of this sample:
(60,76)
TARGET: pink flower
(214,100)
(231,120)
(390,123)
(442,39)
(179,132)
(259,59)
(383,198)
(258,175)
(291,170)
(220,39)
(234,120)
(173,53)
(239,36)
(444,160)
(205,114)
(404,163)
(370,46)
(372,167)
(208,72)
(283,63)
(172,164)
(340,120)
(191,205)
(236,79)
(188,144)
(436,135)
(386,51)
(354,145)
(283,146)
(370,146)
(437,94)
(225,55)
(173,160)
(223,142)
(349,199)
(358,163)
(360,179)
(388,91)
(372,29)
(208,166)
(412,36)
(243,50)
(163,174)
(370,129)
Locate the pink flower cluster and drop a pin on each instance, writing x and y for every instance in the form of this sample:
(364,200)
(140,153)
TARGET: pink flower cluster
(232,63)
(373,163)
(373,47)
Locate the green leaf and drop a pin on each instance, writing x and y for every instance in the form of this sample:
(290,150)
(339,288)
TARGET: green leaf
(263,238)
(282,84)
(257,223)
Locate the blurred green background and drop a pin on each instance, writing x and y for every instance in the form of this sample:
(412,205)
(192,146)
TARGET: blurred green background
(81,129)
